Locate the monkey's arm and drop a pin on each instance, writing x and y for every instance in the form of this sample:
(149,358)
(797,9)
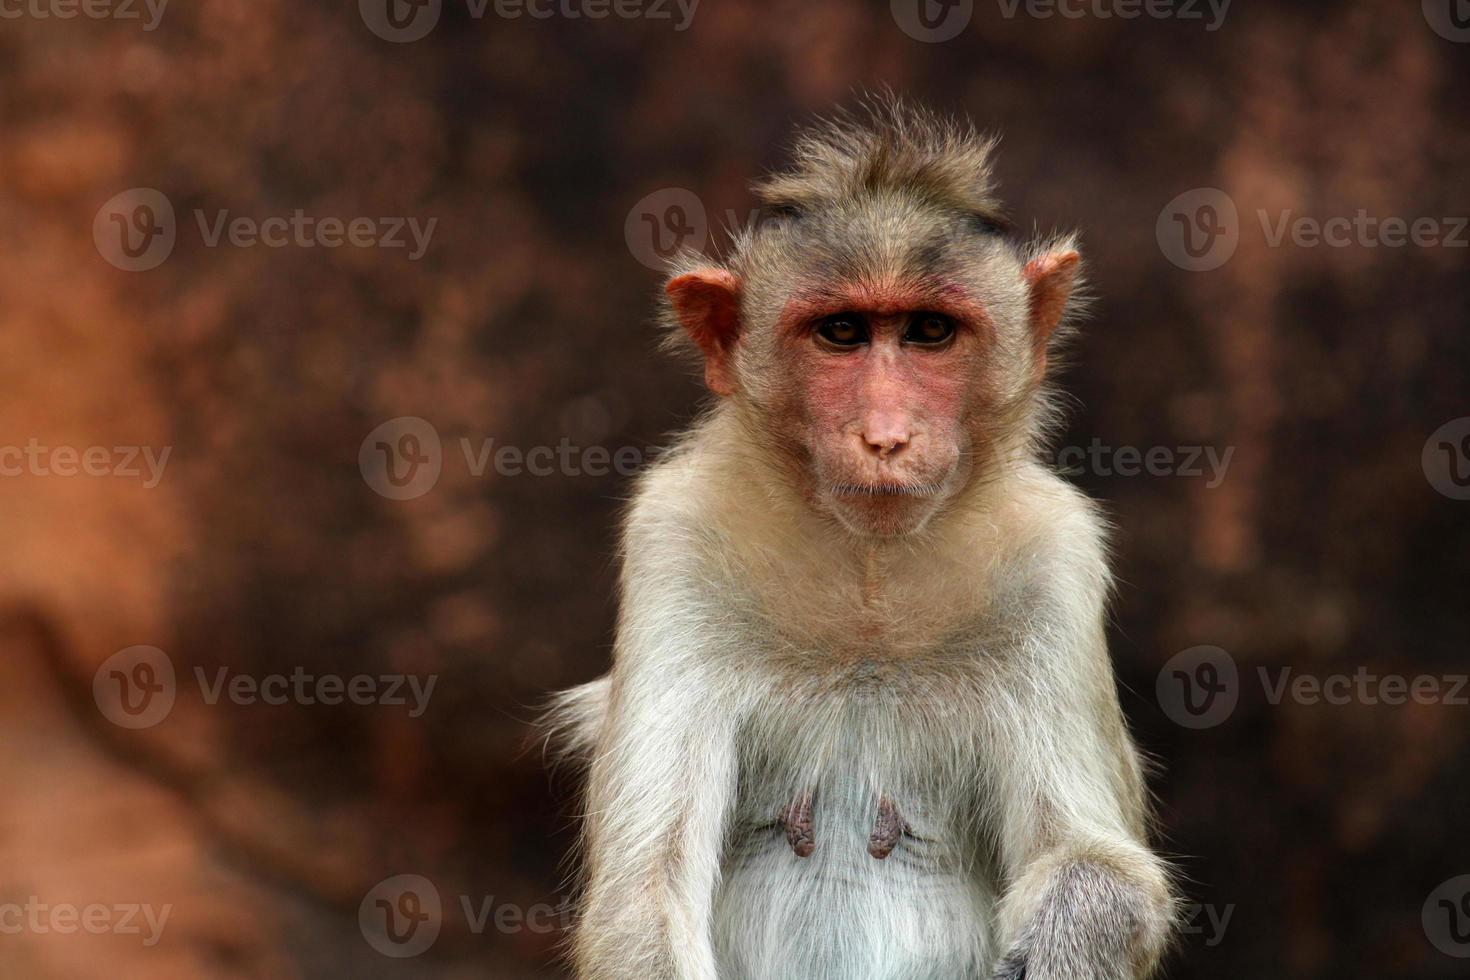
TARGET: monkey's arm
(1085,898)
(661,783)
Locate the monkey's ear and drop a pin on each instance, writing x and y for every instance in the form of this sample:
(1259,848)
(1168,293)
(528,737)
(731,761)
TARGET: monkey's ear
(707,305)
(1051,277)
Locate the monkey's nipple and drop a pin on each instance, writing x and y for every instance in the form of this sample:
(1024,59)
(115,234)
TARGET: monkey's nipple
(796,819)
(888,829)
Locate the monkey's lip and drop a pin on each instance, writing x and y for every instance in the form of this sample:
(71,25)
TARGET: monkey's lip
(885,489)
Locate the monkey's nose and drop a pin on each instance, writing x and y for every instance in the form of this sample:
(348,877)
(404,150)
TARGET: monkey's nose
(886,436)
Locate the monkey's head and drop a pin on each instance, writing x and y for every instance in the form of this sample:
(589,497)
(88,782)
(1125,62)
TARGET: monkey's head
(878,327)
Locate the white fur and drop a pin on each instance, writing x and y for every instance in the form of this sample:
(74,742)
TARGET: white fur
(758,658)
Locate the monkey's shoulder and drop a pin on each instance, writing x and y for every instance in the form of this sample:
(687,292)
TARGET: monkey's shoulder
(696,498)
(1035,528)
(1049,514)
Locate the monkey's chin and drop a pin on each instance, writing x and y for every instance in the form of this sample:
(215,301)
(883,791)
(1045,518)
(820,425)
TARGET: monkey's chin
(880,513)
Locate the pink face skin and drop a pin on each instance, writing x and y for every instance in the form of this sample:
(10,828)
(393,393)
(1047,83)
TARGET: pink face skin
(883,421)
(883,429)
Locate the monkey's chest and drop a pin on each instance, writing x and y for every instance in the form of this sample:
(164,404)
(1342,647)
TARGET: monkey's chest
(852,852)
(851,882)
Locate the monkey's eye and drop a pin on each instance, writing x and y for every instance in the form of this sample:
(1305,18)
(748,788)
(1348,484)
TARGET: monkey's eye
(843,330)
(930,329)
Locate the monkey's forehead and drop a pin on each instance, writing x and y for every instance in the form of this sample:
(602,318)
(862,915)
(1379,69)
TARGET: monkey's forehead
(858,242)
(885,210)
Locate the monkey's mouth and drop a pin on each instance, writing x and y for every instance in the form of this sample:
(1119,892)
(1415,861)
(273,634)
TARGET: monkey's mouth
(884,489)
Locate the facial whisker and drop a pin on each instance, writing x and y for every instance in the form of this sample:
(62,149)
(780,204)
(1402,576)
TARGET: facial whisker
(885,489)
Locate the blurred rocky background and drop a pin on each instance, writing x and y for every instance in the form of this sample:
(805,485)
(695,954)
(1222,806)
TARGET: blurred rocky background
(555,157)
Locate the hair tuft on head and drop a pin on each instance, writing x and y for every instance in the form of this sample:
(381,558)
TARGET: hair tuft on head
(888,143)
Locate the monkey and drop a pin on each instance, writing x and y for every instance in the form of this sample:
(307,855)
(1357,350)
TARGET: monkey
(861,721)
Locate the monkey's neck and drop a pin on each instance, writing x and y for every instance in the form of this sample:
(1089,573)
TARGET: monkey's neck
(870,578)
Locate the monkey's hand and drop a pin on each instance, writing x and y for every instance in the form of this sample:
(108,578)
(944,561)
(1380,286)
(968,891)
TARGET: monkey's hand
(1094,917)
(1085,898)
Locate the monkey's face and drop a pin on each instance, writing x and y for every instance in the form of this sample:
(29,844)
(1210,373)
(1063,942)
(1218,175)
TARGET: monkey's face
(875,394)
(885,358)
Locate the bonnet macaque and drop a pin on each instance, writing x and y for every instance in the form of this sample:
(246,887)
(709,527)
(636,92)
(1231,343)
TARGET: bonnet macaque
(861,723)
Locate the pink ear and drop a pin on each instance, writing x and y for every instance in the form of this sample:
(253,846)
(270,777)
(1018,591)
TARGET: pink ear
(1050,277)
(707,303)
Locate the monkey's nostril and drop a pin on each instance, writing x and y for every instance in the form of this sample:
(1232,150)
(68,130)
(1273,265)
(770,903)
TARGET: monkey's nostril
(885,444)
(887,449)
